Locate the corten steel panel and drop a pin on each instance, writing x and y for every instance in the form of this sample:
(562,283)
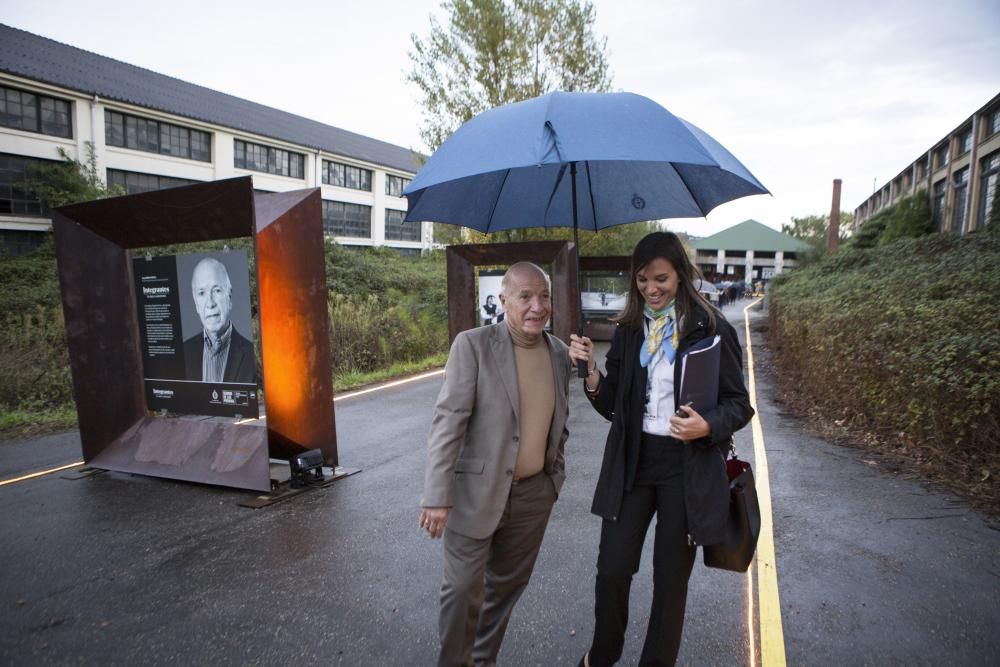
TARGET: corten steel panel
(193,449)
(606,263)
(103,336)
(101,333)
(188,214)
(294,326)
(560,255)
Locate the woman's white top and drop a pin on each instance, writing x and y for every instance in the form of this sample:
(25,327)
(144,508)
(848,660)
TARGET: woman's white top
(659,390)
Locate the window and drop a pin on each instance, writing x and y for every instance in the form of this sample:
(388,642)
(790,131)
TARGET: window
(394,185)
(960,181)
(268,160)
(397,230)
(965,141)
(346,176)
(937,209)
(153,136)
(135,183)
(922,169)
(941,156)
(992,122)
(342,219)
(989,194)
(22,110)
(15,198)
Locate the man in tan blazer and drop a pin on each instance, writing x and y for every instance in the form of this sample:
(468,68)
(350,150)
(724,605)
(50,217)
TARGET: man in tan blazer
(495,465)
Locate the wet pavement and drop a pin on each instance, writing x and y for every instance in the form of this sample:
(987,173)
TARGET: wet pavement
(114,568)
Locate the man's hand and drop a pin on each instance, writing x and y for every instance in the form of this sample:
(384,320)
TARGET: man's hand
(433,520)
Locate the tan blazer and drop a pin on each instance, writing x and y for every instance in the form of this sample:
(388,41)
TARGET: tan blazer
(474,434)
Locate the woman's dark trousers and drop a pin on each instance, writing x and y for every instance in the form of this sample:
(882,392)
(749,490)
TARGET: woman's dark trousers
(659,489)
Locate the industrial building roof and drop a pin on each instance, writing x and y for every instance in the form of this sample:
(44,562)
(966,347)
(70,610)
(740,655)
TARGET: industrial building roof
(34,57)
(751,235)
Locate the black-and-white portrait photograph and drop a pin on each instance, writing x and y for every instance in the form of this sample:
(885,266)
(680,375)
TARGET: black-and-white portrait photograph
(489,288)
(215,317)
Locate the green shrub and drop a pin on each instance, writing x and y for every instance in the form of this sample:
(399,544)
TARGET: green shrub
(900,340)
(909,217)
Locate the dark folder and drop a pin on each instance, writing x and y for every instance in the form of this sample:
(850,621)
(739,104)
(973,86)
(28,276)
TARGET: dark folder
(700,375)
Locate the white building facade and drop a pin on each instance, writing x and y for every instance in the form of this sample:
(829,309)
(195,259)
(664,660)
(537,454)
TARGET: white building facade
(181,134)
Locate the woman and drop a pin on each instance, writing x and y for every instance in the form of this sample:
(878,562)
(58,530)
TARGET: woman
(658,459)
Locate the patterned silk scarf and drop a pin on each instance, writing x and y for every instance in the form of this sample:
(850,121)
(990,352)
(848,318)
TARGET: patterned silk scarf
(662,333)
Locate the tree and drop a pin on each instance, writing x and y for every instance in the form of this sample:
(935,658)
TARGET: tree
(813,228)
(69,182)
(494,52)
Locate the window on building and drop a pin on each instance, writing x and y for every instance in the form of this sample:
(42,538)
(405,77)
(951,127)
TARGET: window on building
(15,197)
(937,208)
(397,230)
(941,156)
(269,160)
(989,193)
(960,182)
(22,110)
(965,141)
(394,185)
(736,253)
(153,136)
(992,122)
(346,176)
(922,169)
(763,254)
(343,219)
(134,182)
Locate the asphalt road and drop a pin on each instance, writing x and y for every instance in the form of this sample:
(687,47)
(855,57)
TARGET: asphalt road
(113,568)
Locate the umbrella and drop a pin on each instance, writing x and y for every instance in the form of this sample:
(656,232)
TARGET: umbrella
(704,286)
(581,160)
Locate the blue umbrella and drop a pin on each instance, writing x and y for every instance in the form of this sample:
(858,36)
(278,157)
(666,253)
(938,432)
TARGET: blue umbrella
(581,160)
(626,158)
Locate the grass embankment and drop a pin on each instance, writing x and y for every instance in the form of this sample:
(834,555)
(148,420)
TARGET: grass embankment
(388,318)
(897,348)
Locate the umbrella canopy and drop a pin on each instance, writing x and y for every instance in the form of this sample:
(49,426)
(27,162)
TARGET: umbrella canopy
(512,166)
(704,286)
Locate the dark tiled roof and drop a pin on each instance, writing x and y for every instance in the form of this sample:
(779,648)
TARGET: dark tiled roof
(33,57)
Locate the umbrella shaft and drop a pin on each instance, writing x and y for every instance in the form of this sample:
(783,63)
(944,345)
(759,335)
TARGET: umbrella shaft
(581,366)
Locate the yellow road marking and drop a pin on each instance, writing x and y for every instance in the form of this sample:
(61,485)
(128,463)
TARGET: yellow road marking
(387,385)
(772,638)
(40,473)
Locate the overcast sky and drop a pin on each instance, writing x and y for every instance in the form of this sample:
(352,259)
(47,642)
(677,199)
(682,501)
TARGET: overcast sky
(801,92)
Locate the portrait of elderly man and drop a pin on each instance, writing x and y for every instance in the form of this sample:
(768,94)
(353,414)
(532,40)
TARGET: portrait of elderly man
(218,353)
(495,465)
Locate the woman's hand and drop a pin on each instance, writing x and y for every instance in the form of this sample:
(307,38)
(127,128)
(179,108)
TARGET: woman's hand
(581,348)
(688,428)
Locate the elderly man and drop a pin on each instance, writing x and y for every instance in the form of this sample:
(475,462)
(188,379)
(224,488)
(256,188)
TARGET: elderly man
(495,465)
(218,353)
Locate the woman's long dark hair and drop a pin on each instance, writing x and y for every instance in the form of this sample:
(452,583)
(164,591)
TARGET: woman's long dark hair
(667,246)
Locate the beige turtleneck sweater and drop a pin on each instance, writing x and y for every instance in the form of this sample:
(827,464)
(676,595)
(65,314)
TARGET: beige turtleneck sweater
(536,388)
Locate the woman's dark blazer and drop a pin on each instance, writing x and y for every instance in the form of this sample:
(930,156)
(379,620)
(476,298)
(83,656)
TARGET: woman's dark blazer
(621,398)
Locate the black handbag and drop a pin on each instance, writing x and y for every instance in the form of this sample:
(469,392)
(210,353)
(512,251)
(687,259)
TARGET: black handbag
(736,550)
